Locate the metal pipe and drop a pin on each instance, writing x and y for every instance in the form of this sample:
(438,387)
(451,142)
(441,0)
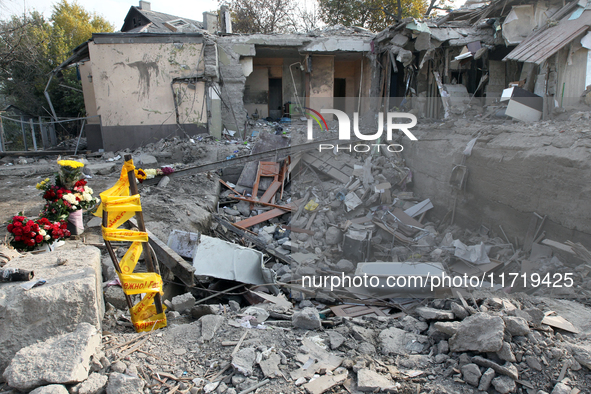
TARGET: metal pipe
(79,136)
(48,99)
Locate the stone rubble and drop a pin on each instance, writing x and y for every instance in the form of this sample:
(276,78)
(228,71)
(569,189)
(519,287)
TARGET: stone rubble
(450,345)
(63,359)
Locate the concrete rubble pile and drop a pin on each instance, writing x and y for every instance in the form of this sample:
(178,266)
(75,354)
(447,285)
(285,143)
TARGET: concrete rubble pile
(489,344)
(242,317)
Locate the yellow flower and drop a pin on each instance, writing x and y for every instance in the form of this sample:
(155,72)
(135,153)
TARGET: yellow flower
(70,163)
(140,174)
(41,184)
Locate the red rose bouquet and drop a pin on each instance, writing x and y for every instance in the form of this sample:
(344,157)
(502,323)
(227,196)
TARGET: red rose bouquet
(28,234)
(61,201)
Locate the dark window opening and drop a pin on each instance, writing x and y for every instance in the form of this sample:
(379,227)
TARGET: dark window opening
(275,98)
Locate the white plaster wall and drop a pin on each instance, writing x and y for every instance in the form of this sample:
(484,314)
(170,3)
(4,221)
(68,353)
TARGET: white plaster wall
(322,83)
(132,82)
(572,77)
(88,91)
(588,76)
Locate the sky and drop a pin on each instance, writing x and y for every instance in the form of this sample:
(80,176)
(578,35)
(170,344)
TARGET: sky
(115,10)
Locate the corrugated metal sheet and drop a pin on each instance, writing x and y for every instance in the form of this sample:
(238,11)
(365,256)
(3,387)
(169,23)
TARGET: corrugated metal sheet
(540,46)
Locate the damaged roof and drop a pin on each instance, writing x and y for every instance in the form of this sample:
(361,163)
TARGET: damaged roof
(141,20)
(540,45)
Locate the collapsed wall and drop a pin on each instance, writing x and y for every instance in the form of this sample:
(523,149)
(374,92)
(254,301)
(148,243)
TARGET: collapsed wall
(232,67)
(511,174)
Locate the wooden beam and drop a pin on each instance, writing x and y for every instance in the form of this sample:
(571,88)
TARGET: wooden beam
(270,192)
(263,217)
(267,204)
(255,240)
(275,154)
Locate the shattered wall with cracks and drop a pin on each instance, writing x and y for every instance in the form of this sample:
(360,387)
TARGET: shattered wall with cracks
(145,88)
(232,81)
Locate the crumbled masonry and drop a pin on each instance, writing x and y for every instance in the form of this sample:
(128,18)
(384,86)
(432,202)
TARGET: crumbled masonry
(294,339)
(294,261)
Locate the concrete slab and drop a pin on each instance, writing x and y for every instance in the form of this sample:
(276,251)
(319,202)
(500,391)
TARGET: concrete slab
(71,295)
(183,242)
(224,260)
(415,278)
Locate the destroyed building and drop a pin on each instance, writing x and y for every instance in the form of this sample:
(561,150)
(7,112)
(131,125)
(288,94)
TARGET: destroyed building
(162,77)
(483,223)
(180,76)
(479,50)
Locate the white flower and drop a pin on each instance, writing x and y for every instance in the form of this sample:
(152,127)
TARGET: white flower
(71,198)
(42,232)
(87,196)
(47,238)
(150,173)
(88,190)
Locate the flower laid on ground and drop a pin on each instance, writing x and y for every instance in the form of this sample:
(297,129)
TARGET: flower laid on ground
(140,175)
(167,170)
(61,201)
(28,234)
(150,173)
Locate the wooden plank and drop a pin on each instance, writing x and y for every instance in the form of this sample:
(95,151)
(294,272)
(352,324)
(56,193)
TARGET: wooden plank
(265,143)
(555,46)
(405,219)
(419,208)
(399,236)
(39,153)
(359,310)
(548,39)
(534,46)
(228,186)
(267,204)
(529,236)
(559,322)
(175,263)
(277,300)
(559,246)
(254,239)
(263,217)
(361,220)
(270,192)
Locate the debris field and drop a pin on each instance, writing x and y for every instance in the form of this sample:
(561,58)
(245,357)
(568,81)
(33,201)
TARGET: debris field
(243,318)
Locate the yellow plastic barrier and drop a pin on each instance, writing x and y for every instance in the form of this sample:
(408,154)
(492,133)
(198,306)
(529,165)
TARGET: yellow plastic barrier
(120,207)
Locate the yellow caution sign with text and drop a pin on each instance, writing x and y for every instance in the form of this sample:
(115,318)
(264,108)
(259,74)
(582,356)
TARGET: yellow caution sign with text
(120,207)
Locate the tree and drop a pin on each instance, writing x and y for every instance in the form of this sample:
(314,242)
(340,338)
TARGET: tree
(375,15)
(32,47)
(260,16)
(22,70)
(305,17)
